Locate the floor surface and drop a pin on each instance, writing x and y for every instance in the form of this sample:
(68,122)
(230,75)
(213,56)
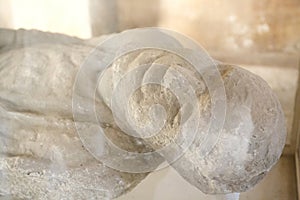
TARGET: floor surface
(166,184)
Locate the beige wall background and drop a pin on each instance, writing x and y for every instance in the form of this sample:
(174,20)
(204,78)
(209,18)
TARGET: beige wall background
(67,16)
(232,25)
(261,25)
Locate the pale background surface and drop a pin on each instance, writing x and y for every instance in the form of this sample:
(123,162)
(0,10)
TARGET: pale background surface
(280,184)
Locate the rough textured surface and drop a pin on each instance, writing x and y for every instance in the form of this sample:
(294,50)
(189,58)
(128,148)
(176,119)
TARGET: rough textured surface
(143,98)
(41,154)
(250,142)
(283,81)
(41,151)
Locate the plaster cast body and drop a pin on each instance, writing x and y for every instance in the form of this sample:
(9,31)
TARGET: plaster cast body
(43,157)
(250,142)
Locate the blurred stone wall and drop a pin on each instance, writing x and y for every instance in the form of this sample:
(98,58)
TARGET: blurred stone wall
(67,16)
(230,26)
(219,25)
(234,25)
(108,16)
